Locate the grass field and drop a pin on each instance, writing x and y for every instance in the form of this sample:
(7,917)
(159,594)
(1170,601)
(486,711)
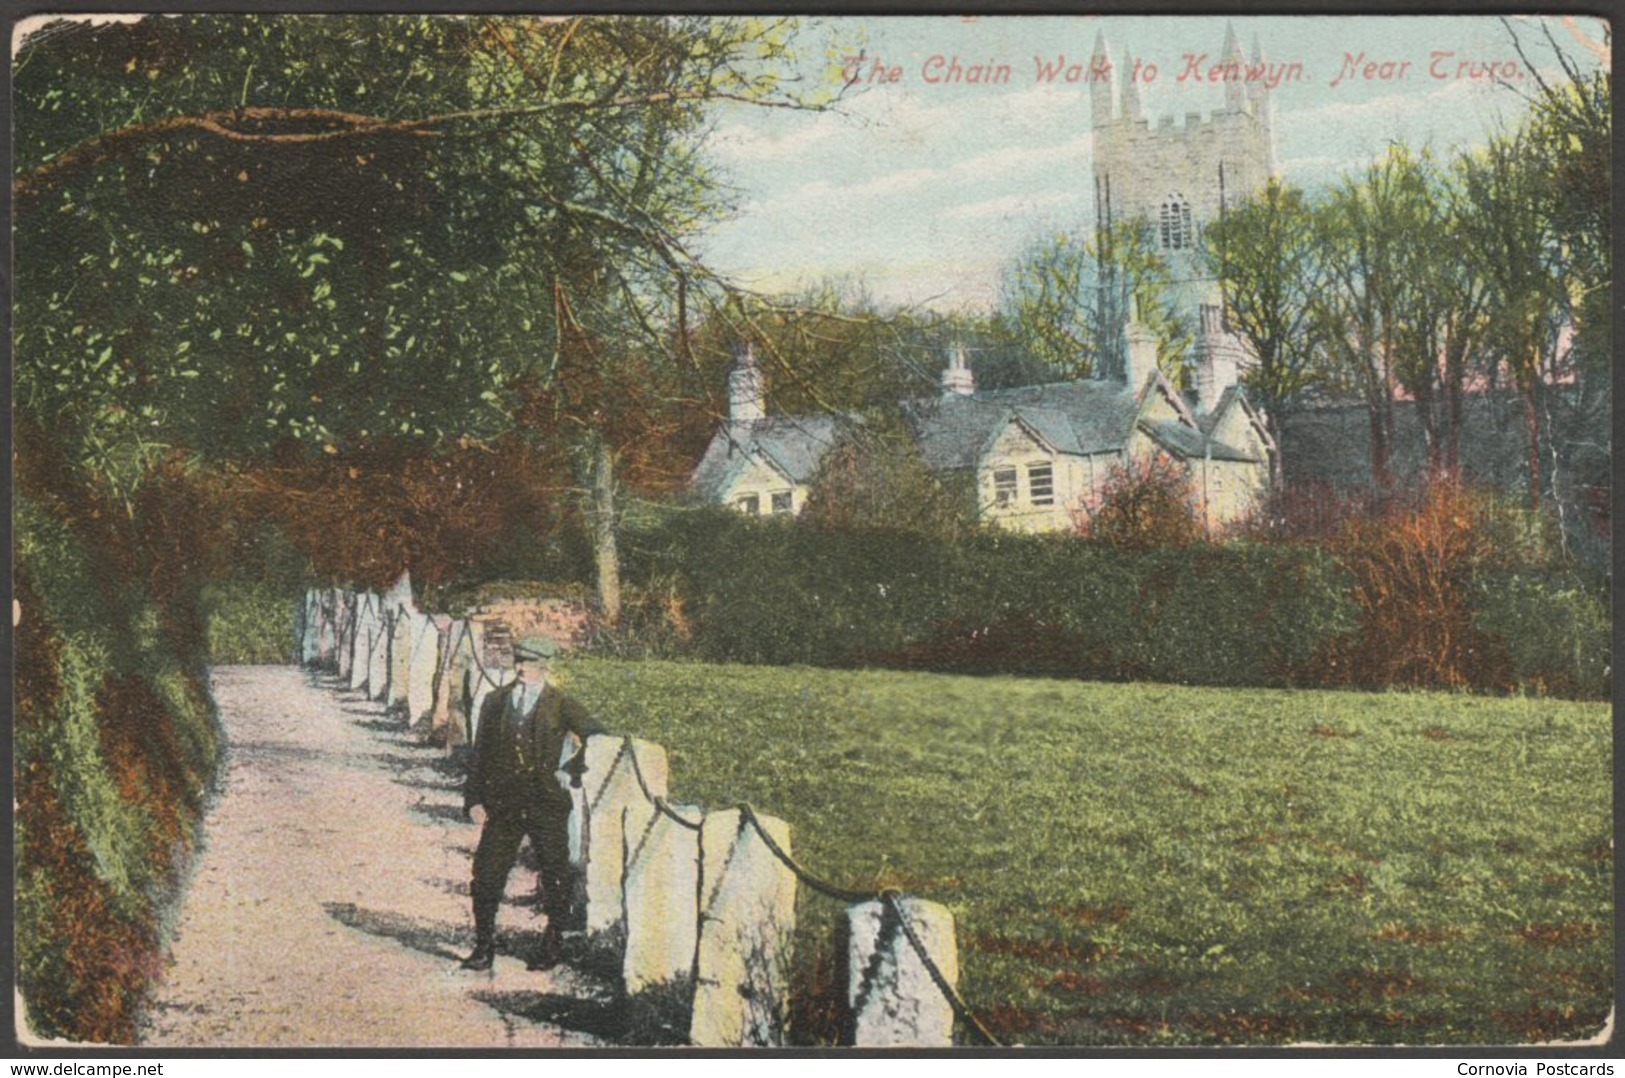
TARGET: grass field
(1152,864)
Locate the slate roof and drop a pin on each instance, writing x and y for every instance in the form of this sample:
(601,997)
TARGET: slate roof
(1094,416)
(953,432)
(794,445)
(1077,418)
(1188,443)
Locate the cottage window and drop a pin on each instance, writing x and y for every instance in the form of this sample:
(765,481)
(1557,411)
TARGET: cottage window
(1004,486)
(1041,483)
(1176,223)
(750,505)
(781,503)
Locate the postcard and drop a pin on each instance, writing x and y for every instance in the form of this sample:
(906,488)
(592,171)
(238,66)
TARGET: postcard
(765,532)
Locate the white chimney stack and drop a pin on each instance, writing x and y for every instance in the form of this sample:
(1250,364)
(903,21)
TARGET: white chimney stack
(1141,359)
(957,379)
(1218,355)
(747,401)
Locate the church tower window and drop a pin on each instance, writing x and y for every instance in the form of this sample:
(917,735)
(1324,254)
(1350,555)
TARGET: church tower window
(1176,230)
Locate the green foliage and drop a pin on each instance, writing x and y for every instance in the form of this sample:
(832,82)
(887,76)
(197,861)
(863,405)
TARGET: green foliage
(772,592)
(874,478)
(1557,630)
(116,744)
(1070,298)
(1151,864)
(250,623)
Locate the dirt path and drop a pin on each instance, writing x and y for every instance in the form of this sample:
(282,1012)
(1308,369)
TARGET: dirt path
(329,904)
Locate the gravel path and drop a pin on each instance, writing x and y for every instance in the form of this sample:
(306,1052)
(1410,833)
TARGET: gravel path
(329,902)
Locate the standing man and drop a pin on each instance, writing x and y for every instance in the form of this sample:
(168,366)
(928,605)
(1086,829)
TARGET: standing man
(513,791)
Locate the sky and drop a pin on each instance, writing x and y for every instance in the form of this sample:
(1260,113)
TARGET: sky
(920,189)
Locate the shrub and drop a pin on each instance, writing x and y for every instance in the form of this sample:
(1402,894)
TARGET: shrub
(1144,503)
(1556,631)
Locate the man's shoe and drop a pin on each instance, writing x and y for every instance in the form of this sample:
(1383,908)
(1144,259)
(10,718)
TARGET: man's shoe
(485,953)
(551,954)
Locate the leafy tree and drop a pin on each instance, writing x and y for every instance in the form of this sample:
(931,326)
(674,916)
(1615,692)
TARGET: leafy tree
(1512,234)
(263,240)
(1144,503)
(1268,256)
(1070,299)
(1356,314)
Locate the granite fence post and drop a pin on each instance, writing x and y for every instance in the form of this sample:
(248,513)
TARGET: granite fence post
(378,656)
(609,784)
(893,1002)
(361,643)
(448,682)
(422,665)
(747,914)
(660,908)
(346,634)
(401,635)
(327,636)
(309,628)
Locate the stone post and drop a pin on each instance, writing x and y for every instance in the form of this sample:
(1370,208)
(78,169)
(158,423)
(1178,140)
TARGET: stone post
(484,684)
(403,632)
(378,656)
(893,1001)
(747,916)
(420,670)
(327,640)
(310,630)
(361,649)
(610,784)
(660,908)
(346,633)
(448,680)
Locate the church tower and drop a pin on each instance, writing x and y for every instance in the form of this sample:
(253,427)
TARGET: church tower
(1179,176)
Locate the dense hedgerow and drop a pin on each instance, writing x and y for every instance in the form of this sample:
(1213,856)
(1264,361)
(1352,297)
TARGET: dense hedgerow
(116,746)
(1444,593)
(777,593)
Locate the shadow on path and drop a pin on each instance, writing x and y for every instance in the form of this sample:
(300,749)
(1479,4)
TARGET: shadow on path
(430,937)
(449,813)
(604,1018)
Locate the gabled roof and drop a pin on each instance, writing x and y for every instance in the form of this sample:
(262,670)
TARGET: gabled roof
(1190,444)
(791,445)
(1091,416)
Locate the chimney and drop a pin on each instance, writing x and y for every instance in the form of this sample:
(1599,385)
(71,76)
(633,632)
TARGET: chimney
(1141,360)
(957,379)
(1217,360)
(746,397)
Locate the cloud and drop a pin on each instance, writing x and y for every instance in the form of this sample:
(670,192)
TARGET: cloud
(1023,206)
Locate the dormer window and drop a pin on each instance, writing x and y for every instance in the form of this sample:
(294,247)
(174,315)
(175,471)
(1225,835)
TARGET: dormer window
(1175,223)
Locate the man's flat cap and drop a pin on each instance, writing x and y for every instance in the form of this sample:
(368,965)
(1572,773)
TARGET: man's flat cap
(535,647)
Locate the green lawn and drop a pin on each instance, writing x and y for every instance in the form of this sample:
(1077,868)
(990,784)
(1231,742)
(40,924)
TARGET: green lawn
(1151,864)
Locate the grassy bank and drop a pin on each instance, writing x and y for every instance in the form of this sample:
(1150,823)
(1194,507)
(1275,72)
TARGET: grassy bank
(1148,864)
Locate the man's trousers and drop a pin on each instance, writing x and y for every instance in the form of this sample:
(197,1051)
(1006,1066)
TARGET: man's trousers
(498,849)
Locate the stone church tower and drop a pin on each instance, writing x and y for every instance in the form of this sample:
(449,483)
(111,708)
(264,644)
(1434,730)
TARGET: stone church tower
(1179,176)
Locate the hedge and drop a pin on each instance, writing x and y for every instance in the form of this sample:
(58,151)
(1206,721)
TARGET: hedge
(778,593)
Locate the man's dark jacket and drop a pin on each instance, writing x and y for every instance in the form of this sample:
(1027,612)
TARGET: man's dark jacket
(515,759)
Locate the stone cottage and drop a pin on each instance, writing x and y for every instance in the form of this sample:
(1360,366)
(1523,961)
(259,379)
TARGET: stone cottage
(1037,456)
